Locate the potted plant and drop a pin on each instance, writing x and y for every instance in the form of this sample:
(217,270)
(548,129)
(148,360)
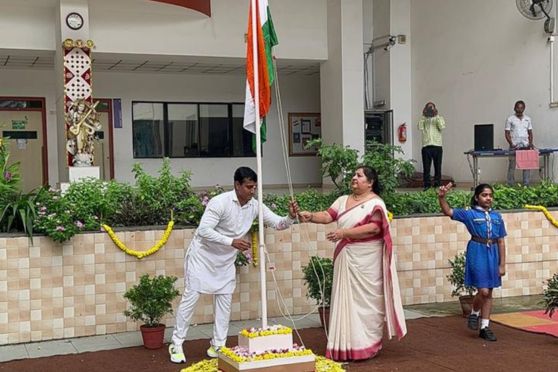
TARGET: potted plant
(150,300)
(318,276)
(457,278)
(550,295)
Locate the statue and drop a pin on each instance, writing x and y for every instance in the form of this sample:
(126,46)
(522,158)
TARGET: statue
(82,122)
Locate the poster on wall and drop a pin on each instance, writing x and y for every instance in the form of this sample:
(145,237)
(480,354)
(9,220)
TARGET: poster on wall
(303,127)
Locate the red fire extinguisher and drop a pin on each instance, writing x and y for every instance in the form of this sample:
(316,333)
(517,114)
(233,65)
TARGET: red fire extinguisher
(402,133)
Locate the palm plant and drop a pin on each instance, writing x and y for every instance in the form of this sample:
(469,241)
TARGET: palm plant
(550,295)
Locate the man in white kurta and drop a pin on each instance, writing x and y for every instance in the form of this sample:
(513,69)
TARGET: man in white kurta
(209,263)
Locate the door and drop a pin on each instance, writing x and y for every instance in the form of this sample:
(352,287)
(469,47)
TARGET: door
(23,127)
(103,145)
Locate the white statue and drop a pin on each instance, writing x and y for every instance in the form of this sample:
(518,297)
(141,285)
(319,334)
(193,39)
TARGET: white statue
(82,122)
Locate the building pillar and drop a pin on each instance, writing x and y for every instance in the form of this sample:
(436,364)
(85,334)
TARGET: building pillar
(75,29)
(341,77)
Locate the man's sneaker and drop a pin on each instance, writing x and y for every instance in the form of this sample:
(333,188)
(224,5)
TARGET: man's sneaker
(213,351)
(487,334)
(176,354)
(473,322)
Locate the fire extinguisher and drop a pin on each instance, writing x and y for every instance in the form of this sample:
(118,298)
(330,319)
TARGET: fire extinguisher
(402,133)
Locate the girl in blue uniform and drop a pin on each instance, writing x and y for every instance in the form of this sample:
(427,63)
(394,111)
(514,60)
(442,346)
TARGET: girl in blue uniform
(486,252)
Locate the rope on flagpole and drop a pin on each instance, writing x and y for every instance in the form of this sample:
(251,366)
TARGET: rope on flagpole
(284,144)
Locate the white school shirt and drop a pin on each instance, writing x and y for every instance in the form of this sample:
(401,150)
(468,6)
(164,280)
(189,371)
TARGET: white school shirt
(209,264)
(519,129)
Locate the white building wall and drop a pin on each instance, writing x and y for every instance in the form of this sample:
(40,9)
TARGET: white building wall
(299,94)
(474,59)
(147,27)
(400,74)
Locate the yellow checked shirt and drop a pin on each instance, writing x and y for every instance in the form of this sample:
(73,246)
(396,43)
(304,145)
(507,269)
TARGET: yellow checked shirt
(431,129)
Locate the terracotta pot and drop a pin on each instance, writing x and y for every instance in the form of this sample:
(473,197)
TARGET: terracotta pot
(153,337)
(324,316)
(466,304)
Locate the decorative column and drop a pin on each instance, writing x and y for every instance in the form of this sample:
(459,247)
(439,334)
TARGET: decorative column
(80,115)
(77,117)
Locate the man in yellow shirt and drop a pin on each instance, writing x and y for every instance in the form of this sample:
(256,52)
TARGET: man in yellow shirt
(431,125)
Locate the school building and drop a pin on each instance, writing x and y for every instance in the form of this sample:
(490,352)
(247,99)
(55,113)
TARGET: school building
(170,79)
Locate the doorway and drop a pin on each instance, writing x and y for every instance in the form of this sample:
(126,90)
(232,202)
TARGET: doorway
(23,127)
(104,153)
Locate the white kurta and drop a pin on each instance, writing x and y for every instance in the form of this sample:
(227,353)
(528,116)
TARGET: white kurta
(209,264)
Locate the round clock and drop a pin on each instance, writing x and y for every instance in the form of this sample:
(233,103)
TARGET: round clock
(74,21)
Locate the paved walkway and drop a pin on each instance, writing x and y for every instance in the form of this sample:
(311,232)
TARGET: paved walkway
(204,331)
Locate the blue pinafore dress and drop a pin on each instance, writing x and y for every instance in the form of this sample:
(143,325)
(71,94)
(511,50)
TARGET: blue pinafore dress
(482,259)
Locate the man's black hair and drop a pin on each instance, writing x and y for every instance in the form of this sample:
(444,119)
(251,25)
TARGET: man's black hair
(244,173)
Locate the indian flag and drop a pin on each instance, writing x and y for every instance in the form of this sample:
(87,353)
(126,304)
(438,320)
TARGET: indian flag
(266,39)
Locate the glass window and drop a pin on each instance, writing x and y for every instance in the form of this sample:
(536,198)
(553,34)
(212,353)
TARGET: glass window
(214,130)
(183,130)
(241,138)
(190,130)
(148,130)
(21,103)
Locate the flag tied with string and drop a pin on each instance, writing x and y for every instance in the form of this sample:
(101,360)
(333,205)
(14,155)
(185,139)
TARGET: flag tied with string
(266,40)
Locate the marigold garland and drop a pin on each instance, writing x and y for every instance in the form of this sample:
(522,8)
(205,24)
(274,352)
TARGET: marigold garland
(547,214)
(322,365)
(140,254)
(255,247)
(259,332)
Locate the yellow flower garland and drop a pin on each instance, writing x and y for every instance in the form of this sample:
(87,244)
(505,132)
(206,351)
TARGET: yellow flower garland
(255,247)
(135,253)
(266,332)
(322,365)
(547,214)
(390,216)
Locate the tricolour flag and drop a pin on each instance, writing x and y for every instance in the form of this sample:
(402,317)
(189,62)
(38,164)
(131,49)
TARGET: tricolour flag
(266,39)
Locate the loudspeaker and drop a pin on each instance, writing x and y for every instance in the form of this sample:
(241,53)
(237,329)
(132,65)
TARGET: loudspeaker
(484,137)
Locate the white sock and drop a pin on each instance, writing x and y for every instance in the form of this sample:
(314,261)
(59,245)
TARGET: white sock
(484,323)
(477,313)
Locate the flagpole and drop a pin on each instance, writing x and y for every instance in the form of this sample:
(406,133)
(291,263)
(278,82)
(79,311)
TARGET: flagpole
(254,10)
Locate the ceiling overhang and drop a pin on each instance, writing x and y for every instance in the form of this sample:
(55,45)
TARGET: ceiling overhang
(202,6)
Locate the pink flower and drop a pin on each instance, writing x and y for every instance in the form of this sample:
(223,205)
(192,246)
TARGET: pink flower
(7,176)
(79,224)
(60,228)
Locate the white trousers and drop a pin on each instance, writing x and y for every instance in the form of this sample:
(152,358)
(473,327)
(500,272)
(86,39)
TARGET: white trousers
(221,308)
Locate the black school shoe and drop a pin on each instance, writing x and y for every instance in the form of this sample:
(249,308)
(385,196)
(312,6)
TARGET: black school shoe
(487,334)
(473,322)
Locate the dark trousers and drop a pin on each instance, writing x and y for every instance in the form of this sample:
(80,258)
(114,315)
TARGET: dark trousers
(432,154)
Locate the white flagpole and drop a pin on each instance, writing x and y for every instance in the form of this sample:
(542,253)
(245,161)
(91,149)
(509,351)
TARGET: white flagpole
(259,163)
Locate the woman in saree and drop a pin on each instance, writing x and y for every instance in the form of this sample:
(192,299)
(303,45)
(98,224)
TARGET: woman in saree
(365,295)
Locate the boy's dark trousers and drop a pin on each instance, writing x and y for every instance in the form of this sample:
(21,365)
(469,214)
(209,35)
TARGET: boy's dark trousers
(432,154)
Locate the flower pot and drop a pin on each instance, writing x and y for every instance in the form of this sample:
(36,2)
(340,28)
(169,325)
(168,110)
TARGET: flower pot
(153,337)
(466,304)
(324,316)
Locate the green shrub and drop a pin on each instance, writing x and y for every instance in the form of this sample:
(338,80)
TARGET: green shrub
(457,276)
(153,198)
(318,276)
(339,164)
(151,299)
(383,158)
(18,212)
(550,295)
(54,216)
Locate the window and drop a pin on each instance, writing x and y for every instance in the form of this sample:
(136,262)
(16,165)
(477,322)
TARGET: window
(190,130)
